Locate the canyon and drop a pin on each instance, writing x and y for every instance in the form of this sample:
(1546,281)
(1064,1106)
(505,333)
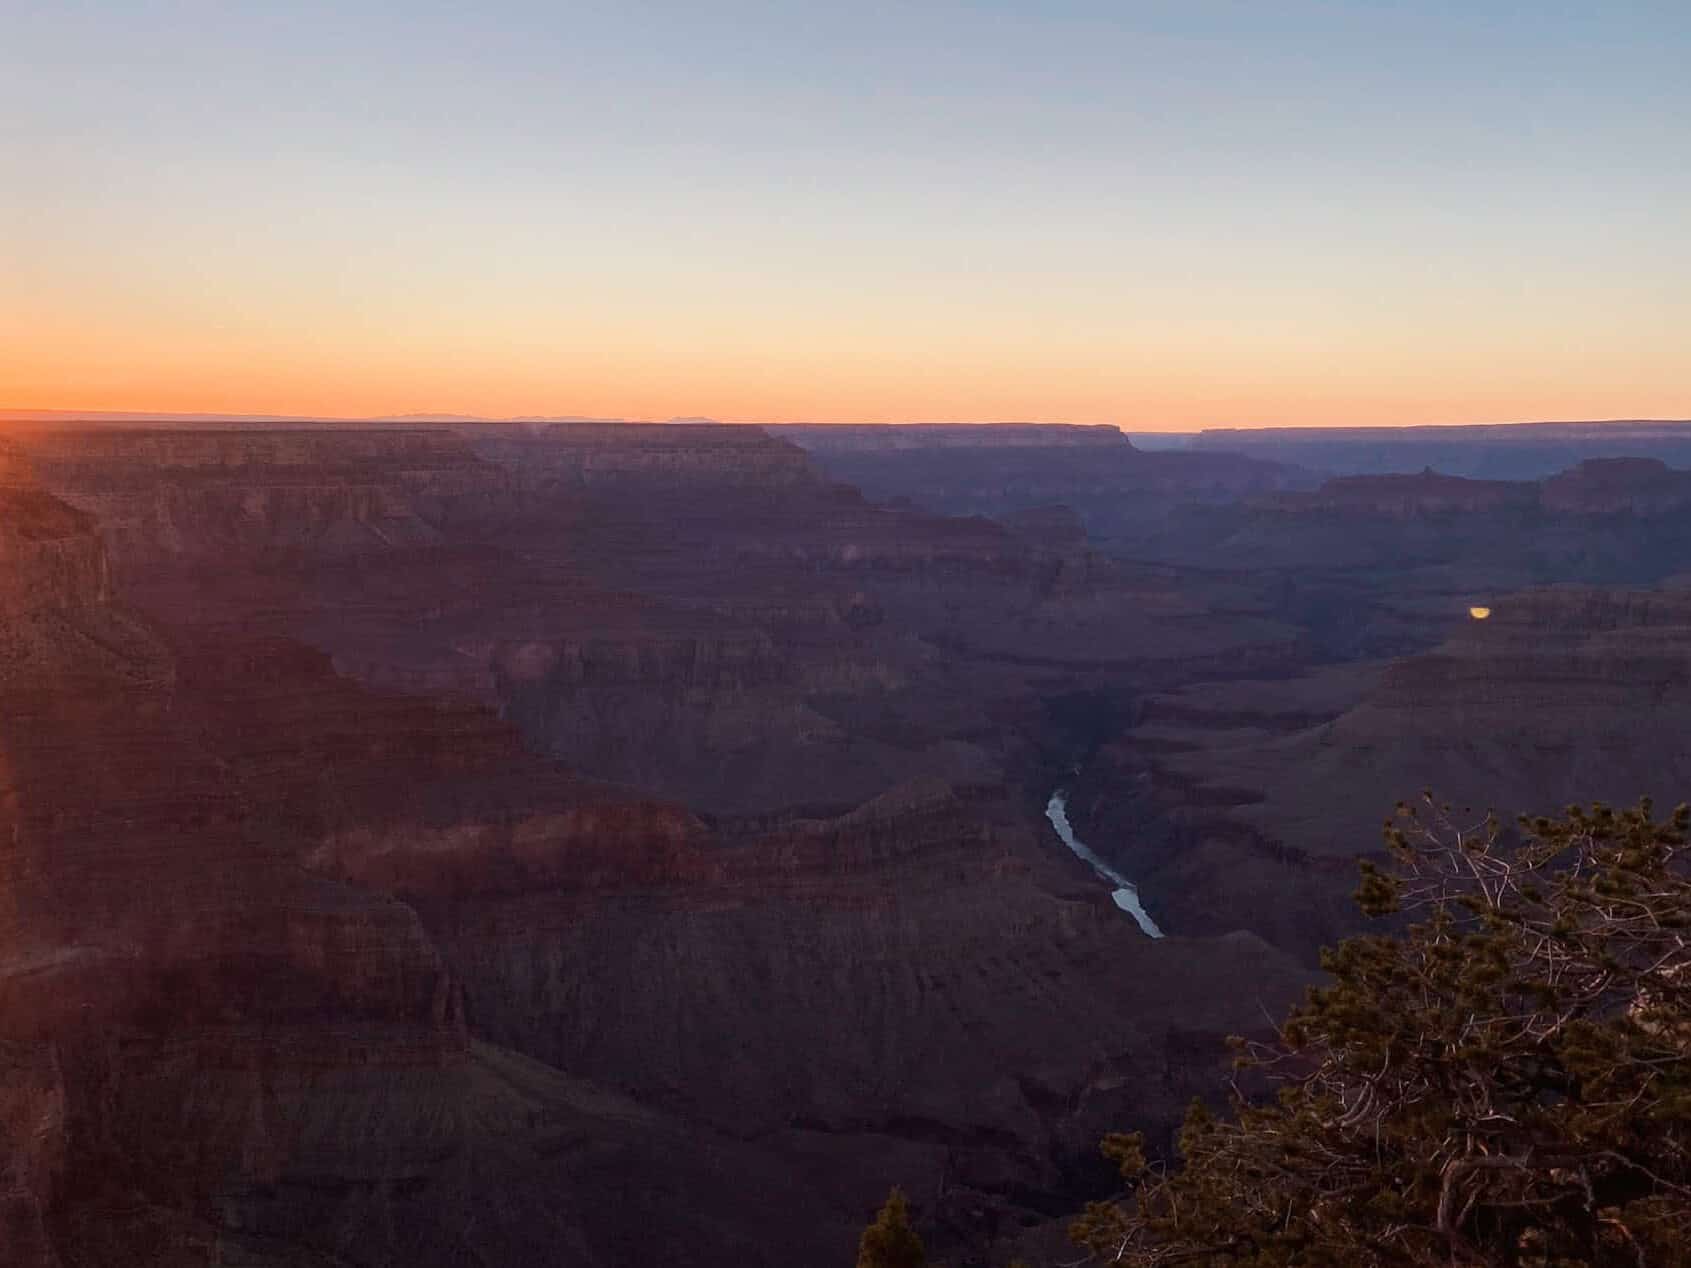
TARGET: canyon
(585,843)
(1499,451)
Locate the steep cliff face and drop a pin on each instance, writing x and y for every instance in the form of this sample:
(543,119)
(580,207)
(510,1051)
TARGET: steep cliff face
(144,891)
(50,555)
(163,493)
(57,620)
(149,922)
(208,1050)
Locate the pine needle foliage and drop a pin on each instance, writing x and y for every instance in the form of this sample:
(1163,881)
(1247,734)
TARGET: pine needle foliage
(1506,1083)
(891,1242)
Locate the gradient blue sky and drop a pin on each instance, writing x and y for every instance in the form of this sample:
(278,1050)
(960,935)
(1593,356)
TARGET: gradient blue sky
(1159,214)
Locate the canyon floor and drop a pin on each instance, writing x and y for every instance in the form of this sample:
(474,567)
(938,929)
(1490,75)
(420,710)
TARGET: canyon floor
(600,844)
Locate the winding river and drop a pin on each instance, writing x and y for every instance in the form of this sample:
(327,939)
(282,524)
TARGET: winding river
(1126,892)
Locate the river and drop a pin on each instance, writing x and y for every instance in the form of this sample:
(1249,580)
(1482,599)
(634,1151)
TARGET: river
(1126,892)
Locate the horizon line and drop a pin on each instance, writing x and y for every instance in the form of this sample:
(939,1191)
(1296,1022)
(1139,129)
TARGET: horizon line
(9,415)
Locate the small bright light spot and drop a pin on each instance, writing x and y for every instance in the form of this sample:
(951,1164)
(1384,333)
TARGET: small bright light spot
(1479,614)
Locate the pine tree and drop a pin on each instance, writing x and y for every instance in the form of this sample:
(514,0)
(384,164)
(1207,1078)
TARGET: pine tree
(1507,1083)
(890,1242)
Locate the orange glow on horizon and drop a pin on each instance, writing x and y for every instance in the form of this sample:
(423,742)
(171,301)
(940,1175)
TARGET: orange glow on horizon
(846,394)
(246,333)
(342,360)
(1175,415)
(1070,213)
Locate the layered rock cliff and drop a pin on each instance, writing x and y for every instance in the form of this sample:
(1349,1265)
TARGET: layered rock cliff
(219,492)
(692,609)
(50,556)
(684,456)
(335,972)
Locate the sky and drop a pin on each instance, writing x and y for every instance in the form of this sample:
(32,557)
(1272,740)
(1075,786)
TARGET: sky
(1166,215)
